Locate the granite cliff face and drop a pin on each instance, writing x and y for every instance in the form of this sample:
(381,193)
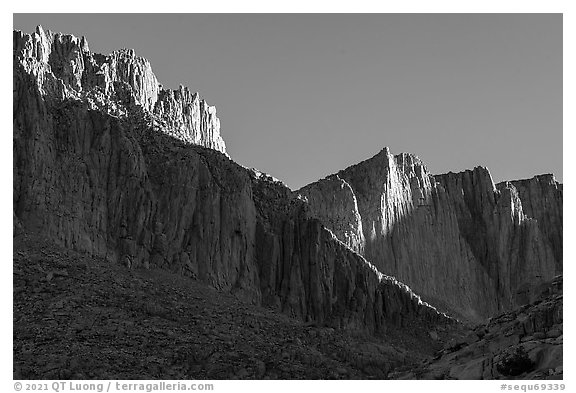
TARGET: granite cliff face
(62,67)
(541,198)
(106,162)
(455,238)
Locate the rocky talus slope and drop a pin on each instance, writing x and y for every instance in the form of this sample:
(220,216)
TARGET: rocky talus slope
(454,238)
(101,166)
(522,344)
(77,316)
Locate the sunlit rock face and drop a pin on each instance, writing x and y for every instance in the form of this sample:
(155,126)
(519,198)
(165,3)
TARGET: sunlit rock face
(458,239)
(63,67)
(190,118)
(337,207)
(103,164)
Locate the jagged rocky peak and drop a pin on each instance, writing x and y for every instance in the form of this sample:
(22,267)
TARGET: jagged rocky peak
(38,45)
(63,67)
(125,67)
(477,183)
(342,199)
(454,238)
(385,159)
(190,117)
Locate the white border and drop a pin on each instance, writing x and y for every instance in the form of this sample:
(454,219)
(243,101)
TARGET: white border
(302,6)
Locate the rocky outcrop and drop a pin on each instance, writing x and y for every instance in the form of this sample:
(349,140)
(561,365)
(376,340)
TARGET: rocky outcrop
(62,66)
(190,118)
(104,167)
(455,238)
(526,343)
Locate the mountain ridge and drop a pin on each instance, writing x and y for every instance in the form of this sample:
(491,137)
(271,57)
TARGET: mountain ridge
(96,173)
(63,66)
(390,209)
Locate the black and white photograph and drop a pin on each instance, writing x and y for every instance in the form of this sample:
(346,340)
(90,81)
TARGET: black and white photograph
(201,197)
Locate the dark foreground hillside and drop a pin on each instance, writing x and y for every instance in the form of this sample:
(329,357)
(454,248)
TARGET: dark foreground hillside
(80,317)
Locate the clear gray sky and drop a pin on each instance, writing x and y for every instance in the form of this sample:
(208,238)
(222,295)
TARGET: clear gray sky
(301,96)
